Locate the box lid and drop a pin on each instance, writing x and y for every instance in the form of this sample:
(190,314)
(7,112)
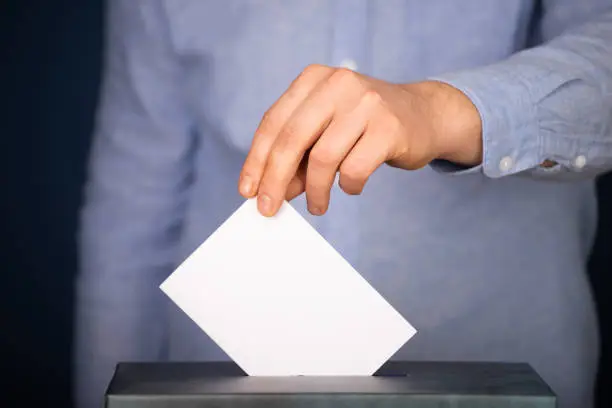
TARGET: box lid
(395,377)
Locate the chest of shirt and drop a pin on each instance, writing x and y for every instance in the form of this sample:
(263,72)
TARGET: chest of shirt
(240,55)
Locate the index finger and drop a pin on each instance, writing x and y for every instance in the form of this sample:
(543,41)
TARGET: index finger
(340,92)
(272,123)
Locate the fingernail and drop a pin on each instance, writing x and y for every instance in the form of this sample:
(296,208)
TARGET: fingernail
(316,211)
(265,205)
(246,186)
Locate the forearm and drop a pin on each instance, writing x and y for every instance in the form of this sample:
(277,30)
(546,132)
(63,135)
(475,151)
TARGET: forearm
(550,103)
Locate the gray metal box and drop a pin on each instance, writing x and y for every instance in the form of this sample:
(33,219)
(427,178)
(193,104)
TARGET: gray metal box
(397,384)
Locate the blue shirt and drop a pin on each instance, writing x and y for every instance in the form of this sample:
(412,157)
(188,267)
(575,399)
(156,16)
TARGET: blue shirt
(488,263)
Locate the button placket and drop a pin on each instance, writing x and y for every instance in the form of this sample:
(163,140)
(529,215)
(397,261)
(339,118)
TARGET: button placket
(349,50)
(349,64)
(350,36)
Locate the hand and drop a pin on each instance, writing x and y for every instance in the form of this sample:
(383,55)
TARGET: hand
(332,120)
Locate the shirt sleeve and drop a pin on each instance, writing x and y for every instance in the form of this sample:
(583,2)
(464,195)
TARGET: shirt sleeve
(551,103)
(138,182)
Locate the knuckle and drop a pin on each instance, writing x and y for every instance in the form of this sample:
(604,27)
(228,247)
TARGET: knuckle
(372,97)
(278,157)
(322,157)
(252,165)
(353,172)
(276,160)
(289,134)
(312,69)
(269,121)
(342,76)
(268,114)
(313,189)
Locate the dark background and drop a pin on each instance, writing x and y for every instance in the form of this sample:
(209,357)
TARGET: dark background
(50,63)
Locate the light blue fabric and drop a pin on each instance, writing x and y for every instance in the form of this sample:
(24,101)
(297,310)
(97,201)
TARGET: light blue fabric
(487,263)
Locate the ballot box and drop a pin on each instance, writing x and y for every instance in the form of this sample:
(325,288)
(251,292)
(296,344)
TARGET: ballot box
(397,384)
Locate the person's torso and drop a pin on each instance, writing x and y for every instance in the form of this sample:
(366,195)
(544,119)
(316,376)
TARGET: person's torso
(483,268)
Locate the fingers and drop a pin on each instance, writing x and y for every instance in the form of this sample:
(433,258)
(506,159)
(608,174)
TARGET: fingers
(373,149)
(295,188)
(329,112)
(328,153)
(297,136)
(367,155)
(272,123)
(298,183)
(301,131)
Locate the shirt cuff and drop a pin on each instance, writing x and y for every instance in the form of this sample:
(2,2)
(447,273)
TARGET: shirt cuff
(510,134)
(453,169)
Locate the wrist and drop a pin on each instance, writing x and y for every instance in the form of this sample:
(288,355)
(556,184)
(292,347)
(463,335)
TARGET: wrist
(456,124)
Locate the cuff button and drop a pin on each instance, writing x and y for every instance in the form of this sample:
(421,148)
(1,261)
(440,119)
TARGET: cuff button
(579,162)
(506,164)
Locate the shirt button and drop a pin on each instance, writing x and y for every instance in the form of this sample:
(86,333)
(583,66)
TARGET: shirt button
(505,164)
(349,64)
(579,162)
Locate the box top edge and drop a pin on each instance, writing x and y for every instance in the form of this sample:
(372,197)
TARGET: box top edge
(395,377)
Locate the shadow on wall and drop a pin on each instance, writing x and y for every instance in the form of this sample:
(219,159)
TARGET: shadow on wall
(599,269)
(51,58)
(51,62)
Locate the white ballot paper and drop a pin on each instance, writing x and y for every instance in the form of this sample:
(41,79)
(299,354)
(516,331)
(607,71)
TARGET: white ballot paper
(280,301)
